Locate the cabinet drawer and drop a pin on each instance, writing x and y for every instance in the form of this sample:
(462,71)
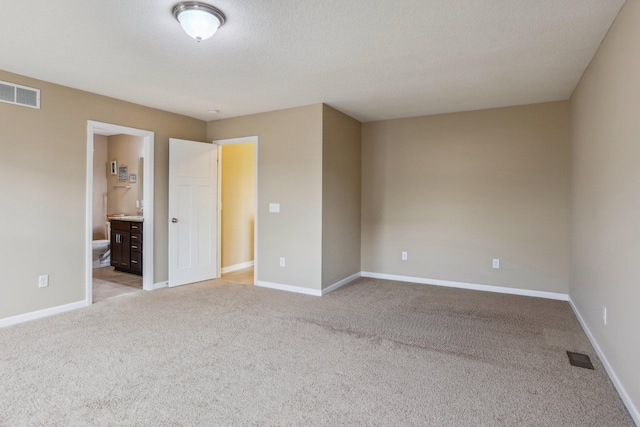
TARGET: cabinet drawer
(119,225)
(136,237)
(136,226)
(136,262)
(136,246)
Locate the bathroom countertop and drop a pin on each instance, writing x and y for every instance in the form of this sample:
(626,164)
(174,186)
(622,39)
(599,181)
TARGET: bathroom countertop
(130,218)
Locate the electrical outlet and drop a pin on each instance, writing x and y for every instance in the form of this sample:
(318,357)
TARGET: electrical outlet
(604,314)
(496,263)
(43,281)
(282,263)
(404,256)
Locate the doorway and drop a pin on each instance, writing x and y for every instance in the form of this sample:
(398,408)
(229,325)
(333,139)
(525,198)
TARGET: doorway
(127,180)
(238,207)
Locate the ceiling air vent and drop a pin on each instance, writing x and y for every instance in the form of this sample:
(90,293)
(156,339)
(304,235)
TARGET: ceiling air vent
(19,95)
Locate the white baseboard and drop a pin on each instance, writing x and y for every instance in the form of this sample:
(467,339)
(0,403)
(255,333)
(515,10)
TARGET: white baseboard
(42,313)
(160,285)
(635,414)
(419,280)
(237,267)
(289,288)
(486,288)
(341,283)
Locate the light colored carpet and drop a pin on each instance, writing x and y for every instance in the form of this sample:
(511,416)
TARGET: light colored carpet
(371,353)
(244,276)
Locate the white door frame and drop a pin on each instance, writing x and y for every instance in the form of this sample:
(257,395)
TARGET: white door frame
(147,241)
(220,143)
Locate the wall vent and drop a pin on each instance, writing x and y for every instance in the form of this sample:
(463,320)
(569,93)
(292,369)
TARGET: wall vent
(19,95)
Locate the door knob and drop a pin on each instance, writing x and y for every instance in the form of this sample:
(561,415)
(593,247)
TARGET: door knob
(174,220)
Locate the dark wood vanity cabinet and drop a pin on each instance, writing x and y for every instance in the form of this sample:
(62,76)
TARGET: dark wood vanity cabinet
(126,246)
(136,247)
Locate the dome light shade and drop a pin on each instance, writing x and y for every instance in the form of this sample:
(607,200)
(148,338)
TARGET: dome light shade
(198,20)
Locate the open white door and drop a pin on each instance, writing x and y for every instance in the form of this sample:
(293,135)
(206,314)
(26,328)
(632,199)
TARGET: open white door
(193,200)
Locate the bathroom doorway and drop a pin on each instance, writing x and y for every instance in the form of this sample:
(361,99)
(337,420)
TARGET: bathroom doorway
(119,229)
(237,219)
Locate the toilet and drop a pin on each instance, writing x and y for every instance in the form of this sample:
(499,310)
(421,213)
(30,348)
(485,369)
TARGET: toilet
(101,252)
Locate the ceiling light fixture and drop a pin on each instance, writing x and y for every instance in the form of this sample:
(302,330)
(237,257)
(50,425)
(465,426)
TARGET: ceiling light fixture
(199,20)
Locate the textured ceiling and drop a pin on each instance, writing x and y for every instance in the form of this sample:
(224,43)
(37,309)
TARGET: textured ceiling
(372,59)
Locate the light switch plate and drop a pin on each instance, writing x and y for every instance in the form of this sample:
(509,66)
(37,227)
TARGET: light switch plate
(274,207)
(43,281)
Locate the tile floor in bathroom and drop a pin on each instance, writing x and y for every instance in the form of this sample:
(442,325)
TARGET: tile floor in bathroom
(108,283)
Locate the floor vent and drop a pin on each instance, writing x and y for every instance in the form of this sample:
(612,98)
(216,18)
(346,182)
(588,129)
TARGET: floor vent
(19,95)
(580,360)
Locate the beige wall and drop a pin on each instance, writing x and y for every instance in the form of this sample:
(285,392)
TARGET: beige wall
(457,190)
(100,155)
(341,184)
(127,151)
(42,183)
(289,173)
(605,207)
(238,203)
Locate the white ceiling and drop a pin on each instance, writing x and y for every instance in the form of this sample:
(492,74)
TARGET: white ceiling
(372,59)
